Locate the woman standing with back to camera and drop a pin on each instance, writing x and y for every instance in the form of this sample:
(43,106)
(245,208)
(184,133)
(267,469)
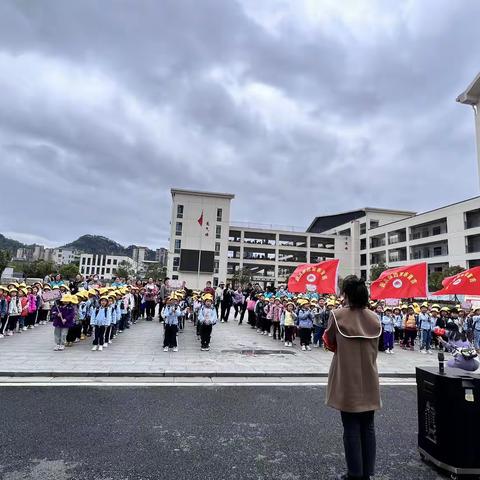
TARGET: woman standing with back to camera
(353,385)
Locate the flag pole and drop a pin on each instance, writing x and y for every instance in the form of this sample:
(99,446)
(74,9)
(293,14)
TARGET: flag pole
(200,252)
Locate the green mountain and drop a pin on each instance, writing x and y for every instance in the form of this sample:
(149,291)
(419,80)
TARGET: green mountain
(9,244)
(95,244)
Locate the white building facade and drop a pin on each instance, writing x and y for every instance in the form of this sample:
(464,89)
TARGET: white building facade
(199,229)
(105,266)
(445,237)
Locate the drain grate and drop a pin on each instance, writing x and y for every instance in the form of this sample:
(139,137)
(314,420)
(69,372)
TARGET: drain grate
(253,352)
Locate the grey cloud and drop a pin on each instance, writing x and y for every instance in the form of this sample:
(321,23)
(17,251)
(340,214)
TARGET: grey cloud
(379,126)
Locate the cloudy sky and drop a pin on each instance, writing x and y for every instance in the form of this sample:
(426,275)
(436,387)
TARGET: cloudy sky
(299,107)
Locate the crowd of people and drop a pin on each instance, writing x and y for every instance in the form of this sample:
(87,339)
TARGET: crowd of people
(86,308)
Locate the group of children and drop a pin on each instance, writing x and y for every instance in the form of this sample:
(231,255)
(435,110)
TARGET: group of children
(430,324)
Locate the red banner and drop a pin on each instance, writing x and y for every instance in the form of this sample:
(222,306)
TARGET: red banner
(464,283)
(401,282)
(314,277)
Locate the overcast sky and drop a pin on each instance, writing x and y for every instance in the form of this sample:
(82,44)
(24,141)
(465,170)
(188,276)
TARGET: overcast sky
(299,107)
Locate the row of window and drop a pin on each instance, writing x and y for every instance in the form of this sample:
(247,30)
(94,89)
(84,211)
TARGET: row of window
(89,261)
(181,210)
(97,270)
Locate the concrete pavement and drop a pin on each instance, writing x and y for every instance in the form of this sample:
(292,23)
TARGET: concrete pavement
(236,351)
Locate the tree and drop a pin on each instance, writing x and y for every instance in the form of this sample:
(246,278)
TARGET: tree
(4,260)
(156,271)
(36,269)
(69,271)
(124,270)
(242,277)
(376,270)
(435,278)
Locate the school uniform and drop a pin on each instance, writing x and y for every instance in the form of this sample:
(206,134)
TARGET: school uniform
(14,310)
(207,317)
(388,323)
(100,318)
(276,312)
(171,315)
(3,315)
(289,319)
(305,325)
(63,318)
(426,324)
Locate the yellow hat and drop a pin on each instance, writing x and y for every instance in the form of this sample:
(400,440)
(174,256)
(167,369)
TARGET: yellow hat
(13,290)
(436,305)
(104,297)
(5,289)
(424,305)
(22,285)
(444,309)
(434,309)
(67,298)
(23,290)
(207,296)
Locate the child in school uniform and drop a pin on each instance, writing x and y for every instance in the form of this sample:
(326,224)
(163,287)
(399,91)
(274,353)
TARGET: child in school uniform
(14,310)
(276,312)
(171,314)
(63,317)
(32,309)
(110,327)
(100,317)
(207,317)
(23,302)
(289,318)
(388,323)
(305,324)
(3,310)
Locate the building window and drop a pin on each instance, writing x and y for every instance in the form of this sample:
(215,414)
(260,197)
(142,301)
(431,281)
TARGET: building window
(176,263)
(84,260)
(216,266)
(363,228)
(215,281)
(103,271)
(219,214)
(436,230)
(179,211)
(178,228)
(218,232)
(217,249)
(178,246)
(114,261)
(374,223)
(363,244)
(89,261)
(109,261)
(108,270)
(437,251)
(174,277)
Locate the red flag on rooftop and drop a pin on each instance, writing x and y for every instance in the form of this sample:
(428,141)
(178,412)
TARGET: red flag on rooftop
(464,283)
(200,220)
(402,282)
(314,277)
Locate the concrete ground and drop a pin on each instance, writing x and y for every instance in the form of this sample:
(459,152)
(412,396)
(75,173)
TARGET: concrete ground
(236,350)
(197,433)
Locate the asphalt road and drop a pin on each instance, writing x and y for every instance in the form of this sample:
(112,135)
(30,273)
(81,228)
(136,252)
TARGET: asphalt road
(197,433)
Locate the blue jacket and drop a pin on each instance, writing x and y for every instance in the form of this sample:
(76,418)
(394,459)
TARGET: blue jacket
(213,315)
(3,307)
(305,318)
(425,321)
(388,323)
(82,310)
(101,316)
(398,321)
(170,314)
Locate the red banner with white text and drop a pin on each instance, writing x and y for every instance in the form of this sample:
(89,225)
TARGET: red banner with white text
(315,277)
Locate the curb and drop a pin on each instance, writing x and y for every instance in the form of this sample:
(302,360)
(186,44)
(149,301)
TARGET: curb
(171,374)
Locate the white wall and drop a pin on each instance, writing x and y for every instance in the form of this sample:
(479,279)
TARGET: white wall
(196,237)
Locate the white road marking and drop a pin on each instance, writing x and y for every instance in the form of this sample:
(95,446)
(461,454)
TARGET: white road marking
(207,383)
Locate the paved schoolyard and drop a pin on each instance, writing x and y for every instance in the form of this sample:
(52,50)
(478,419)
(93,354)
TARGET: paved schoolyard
(236,350)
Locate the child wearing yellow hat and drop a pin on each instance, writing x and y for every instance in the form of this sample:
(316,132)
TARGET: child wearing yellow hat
(63,317)
(207,317)
(14,310)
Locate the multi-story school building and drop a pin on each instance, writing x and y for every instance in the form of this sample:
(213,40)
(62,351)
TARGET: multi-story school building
(206,245)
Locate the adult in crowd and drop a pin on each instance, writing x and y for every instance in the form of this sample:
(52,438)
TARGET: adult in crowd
(162,296)
(246,294)
(219,296)
(76,284)
(57,281)
(238,300)
(209,289)
(226,303)
(151,292)
(353,385)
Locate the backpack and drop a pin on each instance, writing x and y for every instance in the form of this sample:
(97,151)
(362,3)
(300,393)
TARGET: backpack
(251,305)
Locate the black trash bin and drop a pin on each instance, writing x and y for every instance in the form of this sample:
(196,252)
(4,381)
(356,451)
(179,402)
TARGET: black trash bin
(449,419)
